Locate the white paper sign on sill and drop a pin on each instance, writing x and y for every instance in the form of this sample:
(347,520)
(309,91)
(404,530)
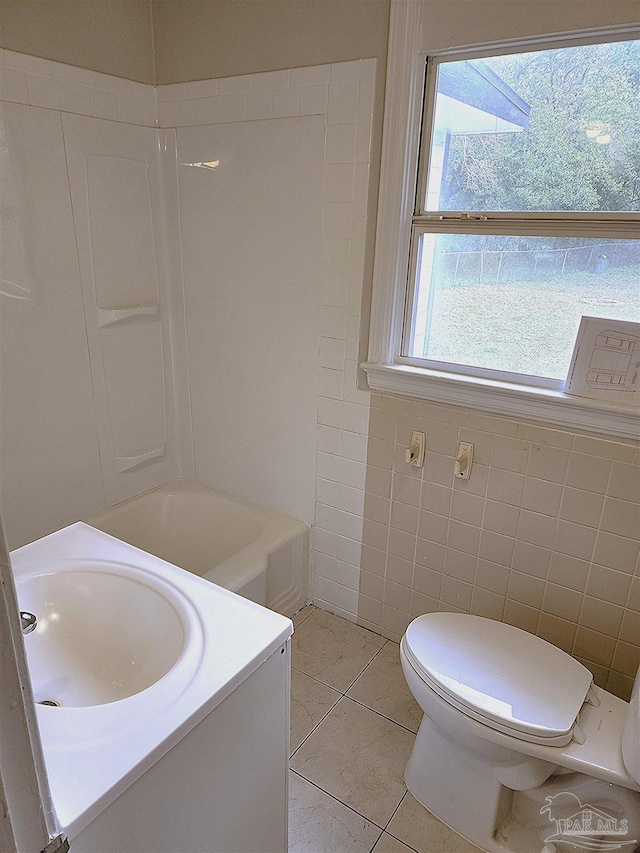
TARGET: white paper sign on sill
(605,363)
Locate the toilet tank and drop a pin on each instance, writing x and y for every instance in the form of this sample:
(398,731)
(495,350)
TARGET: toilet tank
(631,733)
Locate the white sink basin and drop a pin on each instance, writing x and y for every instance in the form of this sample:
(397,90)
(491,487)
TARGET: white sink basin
(104,632)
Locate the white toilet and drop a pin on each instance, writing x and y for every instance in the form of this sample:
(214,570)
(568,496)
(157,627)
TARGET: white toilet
(518,750)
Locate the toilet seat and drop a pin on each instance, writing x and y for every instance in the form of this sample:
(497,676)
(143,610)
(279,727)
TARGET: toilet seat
(499,675)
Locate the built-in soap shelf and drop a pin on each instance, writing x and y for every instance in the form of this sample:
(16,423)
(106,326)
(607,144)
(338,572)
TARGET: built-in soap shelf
(120,316)
(127,463)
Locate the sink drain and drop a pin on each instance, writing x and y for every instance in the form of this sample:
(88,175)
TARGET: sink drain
(50,703)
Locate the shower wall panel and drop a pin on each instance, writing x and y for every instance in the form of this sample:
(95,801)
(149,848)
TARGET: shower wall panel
(115,188)
(50,466)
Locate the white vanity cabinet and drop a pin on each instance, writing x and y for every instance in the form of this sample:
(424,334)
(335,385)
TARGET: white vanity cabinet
(222,788)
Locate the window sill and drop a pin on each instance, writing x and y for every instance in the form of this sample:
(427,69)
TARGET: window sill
(505,398)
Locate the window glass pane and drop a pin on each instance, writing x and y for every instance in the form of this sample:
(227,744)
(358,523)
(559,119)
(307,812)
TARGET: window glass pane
(546,130)
(514,303)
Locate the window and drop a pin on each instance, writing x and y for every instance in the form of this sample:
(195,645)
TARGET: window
(524,209)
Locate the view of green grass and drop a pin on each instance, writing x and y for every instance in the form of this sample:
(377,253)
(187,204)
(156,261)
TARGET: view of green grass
(526,326)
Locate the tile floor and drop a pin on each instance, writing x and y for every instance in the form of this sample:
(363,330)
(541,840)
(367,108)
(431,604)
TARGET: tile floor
(353,723)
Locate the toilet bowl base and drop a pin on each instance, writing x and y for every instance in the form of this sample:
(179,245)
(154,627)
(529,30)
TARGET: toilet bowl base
(446,781)
(466,793)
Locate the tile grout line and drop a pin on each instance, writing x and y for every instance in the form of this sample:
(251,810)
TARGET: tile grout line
(380,714)
(333,797)
(351,698)
(367,665)
(314,728)
(386,828)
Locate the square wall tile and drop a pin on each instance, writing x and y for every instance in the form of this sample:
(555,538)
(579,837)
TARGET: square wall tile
(505,486)
(541,496)
(616,552)
(496,548)
(343,101)
(548,463)
(624,482)
(487,604)
(467,508)
(521,616)
(568,571)
(456,593)
(510,454)
(460,565)
(492,577)
(531,559)
(588,472)
(537,529)
(601,616)
(607,585)
(575,540)
(562,602)
(500,517)
(558,631)
(621,517)
(594,646)
(581,507)
(525,589)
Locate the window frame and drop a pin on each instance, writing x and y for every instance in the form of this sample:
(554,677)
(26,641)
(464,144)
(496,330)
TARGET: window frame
(388,368)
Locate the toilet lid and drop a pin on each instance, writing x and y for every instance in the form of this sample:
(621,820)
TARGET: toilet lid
(502,676)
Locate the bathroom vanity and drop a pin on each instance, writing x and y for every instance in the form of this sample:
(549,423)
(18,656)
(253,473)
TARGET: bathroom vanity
(222,788)
(166,726)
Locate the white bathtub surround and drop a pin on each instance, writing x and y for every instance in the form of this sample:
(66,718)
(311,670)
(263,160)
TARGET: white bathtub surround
(127,762)
(251,252)
(41,82)
(114,173)
(273,176)
(286,306)
(342,95)
(241,546)
(51,472)
(87,390)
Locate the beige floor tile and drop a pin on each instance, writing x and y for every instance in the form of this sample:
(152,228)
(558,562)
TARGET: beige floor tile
(333,650)
(388,844)
(310,701)
(301,615)
(382,686)
(418,828)
(320,824)
(359,757)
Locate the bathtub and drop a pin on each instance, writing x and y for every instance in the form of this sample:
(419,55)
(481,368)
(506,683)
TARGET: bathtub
(238,545)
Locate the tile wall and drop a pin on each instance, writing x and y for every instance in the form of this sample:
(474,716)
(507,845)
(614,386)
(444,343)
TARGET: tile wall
(56,86)
(544,535)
